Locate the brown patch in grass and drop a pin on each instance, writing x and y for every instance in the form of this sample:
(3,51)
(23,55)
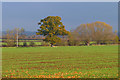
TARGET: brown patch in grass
(37,62)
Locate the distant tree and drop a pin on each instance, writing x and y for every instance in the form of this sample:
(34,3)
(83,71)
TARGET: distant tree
(103,32)
(18,32)
(74,39)
(116,39)
(10,38)
(13,36)
(21,33)
(22,30)
(96,31)
(51,27)
(85,32)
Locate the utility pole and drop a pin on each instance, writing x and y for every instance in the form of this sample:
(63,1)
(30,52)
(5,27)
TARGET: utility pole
(17,37)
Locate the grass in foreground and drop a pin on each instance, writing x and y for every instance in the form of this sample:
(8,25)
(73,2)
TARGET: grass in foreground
(60,62)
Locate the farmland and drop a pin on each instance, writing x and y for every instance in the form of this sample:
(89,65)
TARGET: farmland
(60,62)
(21,42)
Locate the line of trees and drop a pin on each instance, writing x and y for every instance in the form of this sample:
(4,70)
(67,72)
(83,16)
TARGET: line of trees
(54,33)
(99,32)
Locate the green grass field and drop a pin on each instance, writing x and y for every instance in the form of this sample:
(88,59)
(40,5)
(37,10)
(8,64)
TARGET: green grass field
(39,42)
(28,43)
(60,62)
(21,43)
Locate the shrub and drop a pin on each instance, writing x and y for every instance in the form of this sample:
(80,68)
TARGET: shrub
(24,44)
(45,43)
(73,43)
(32,43)
(10,43)
(62,43)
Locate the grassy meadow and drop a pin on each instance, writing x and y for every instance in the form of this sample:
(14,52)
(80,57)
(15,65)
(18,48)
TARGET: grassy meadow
(60,62)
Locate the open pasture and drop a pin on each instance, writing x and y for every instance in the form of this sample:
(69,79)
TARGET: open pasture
(60,62)
(21,42)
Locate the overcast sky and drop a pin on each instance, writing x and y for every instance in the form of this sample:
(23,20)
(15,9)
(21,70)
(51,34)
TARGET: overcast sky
(28,14)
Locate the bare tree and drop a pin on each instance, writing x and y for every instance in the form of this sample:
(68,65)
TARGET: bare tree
(96,31)
(13,36)
(10,38)
(18,32)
